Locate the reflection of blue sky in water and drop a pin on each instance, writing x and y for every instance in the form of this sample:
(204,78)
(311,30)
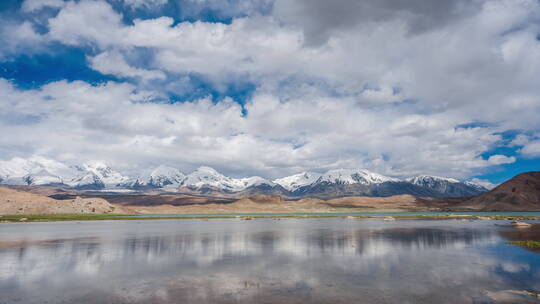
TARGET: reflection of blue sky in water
(224,261)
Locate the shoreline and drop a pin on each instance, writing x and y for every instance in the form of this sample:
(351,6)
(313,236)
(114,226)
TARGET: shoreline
(23,218)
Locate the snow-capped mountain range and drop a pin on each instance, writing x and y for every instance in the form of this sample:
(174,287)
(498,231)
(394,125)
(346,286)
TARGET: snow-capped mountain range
(333,183)
(43,171)
(161,177)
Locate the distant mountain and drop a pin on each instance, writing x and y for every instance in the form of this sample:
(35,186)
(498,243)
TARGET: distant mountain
(160,177)
(208,179)
(97,175)
(345,182)
(85,181)
(347,176)
(42,171)
(446,186)
(205,180)
(521,193)
(294,182)
(34,170)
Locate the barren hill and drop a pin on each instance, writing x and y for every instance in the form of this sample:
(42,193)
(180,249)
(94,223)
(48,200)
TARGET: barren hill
(20,202)
(521,193)
(275,204)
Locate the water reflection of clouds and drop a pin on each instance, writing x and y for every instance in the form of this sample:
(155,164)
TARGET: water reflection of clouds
(274,261)
(86,256)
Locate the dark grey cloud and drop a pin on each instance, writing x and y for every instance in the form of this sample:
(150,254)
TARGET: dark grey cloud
(319,19)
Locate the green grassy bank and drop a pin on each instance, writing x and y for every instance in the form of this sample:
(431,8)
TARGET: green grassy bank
(526,244)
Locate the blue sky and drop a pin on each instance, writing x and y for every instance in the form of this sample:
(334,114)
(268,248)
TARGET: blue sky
(274,87)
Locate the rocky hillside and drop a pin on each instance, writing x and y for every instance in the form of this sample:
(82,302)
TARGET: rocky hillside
(521,193)
(20,202)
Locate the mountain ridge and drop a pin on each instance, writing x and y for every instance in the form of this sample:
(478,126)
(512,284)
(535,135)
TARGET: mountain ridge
(97,175)
(522,192)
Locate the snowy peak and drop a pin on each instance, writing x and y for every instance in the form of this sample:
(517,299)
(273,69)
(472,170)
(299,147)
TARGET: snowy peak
(362,182)
(205,177)
(165,176)
(98,175)
(87,180)
(166,171)
(423,180)
(42,171)
(33,171)
(446,186)
(476,186)
(297,181)
(106,174)
(42,177)
(253,181)
(349,176)
(160,177)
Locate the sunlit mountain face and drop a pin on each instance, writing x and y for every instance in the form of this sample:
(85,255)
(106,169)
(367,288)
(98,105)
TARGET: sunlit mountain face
(272,89)
(94,175)
(219,261)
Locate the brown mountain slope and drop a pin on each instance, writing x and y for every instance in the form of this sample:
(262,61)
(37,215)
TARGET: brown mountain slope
(263,203)
(405,201)
(521,193)
(20,202)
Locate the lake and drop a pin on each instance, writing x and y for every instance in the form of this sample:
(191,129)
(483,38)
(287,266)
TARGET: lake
(369,214)
(311,260)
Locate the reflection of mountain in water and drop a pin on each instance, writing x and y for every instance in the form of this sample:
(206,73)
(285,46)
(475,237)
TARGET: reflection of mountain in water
(91,255)
(380,242)
(296,261)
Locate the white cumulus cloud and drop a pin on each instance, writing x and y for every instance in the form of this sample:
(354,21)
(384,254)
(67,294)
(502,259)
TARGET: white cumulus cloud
(388,85)
(531,149)
(499,159)
(114,63)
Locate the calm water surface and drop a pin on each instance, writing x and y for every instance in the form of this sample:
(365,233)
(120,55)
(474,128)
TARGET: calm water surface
(315,260)
(372,214)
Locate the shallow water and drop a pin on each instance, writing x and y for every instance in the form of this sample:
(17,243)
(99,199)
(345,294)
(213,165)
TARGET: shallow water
(314,260)
(372,214)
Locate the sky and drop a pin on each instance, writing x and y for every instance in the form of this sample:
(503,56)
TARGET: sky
(275,87)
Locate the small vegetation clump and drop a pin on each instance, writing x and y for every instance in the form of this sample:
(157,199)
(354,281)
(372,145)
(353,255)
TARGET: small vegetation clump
(526,244)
